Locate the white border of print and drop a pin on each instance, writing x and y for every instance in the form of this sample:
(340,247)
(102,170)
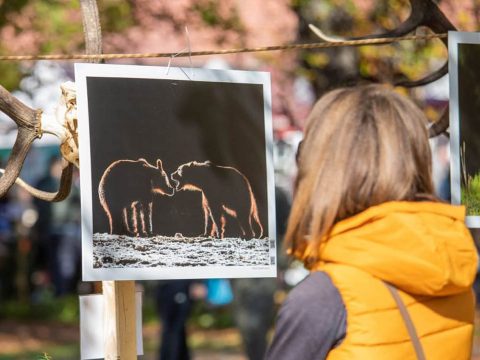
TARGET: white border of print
(84,70)
(455,38)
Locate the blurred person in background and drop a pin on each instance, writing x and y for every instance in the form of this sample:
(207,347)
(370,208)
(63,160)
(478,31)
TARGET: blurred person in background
(7,246)
(391,266)
(46,237)
(57,230)
(173,306)
(68,219)
(174,300)
(23,217)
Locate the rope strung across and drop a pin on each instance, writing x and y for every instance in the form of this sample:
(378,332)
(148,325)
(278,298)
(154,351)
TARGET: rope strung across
(317,45)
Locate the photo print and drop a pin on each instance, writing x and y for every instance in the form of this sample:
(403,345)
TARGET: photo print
(176,173)
(464,52)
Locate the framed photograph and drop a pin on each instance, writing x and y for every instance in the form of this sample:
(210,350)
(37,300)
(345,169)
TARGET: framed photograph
(176,173)
(464,71)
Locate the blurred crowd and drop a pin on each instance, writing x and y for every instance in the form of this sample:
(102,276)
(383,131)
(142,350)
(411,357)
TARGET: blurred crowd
(40,245)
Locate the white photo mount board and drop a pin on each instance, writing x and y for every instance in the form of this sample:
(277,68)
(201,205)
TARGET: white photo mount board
(455,40)
(201,77)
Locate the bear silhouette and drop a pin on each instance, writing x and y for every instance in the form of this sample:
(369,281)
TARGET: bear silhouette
(126,192)
(226,194)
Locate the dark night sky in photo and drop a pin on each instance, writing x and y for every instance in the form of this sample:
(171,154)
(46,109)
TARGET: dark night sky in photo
(178,122)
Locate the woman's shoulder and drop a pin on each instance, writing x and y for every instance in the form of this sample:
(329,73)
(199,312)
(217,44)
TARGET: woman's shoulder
(316,286)
(311,321)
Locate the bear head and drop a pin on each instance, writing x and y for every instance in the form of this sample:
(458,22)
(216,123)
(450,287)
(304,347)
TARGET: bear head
(189,176)
(160,181)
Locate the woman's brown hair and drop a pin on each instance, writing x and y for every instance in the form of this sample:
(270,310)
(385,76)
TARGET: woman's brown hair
(363,146)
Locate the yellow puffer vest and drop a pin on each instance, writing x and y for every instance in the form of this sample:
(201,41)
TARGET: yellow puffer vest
(426,252)
(376,330)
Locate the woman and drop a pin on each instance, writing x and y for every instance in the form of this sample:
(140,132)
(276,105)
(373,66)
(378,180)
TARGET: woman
(391,267)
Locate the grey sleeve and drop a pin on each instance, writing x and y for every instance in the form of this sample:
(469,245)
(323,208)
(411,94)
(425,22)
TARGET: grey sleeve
(311,321)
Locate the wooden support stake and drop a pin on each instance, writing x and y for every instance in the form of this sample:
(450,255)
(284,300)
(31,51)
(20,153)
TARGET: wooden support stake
(120,324)
(119,296)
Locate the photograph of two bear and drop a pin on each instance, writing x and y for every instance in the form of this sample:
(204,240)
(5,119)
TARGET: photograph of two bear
(179,174)
(226,194)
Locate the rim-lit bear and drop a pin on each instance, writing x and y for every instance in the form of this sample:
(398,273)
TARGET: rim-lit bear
(126,193)
(226,194)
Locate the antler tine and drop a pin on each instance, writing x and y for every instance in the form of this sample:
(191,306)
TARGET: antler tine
(61,194)
(423,13)
(426,80)
(323,36)
(29,129)
(413,21)
(23,116)
(440,126)
(20,150)
(28,122)
(436,20)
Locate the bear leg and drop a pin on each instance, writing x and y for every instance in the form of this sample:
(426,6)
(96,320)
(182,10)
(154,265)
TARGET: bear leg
(246,227)
(208,221)
(117,224)
(223,223)
(139,219)
(134,218)
(213,230)
(143,214)
(125,218)
(254,218)
(243,218)
(206,215)
(129,223)
(148,218)
(216,218)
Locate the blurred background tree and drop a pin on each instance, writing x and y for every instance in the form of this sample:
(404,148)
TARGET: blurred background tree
(408,59)
(54,26)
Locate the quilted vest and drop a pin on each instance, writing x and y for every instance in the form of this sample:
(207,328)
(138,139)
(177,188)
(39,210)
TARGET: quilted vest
(376,329)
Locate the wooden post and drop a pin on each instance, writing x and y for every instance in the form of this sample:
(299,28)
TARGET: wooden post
(119,296)
(119,321)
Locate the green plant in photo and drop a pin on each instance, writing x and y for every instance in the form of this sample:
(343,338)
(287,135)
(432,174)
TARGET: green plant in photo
(470,189)
(471,195)
(45,356)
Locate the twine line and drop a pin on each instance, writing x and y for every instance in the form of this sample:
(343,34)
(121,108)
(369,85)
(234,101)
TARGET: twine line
(317,45)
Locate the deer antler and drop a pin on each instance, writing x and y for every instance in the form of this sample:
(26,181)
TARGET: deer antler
(423,13)
(29,124)
(440,126)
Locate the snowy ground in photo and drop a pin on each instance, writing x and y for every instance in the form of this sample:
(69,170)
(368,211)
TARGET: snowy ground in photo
(118,251)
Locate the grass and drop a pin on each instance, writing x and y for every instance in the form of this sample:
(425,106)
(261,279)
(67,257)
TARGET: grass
(209,329)
(471,195)
(64,310)
(55,352)
(470,189)
(217,341)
